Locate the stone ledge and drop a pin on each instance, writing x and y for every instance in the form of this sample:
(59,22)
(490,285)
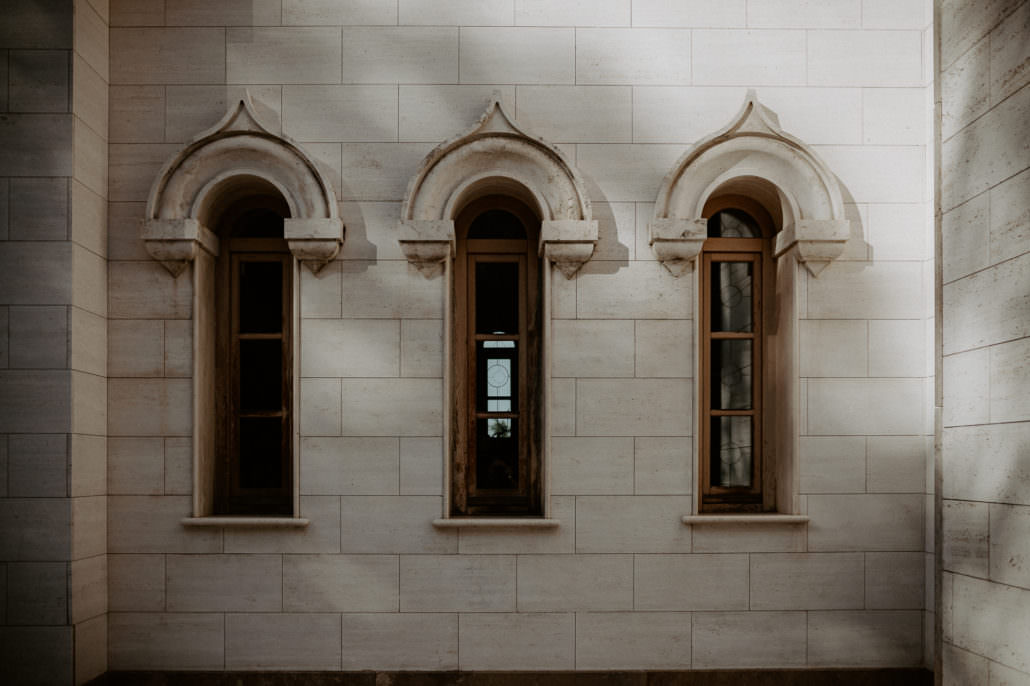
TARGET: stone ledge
(247,522)
(757,518)
(495,523)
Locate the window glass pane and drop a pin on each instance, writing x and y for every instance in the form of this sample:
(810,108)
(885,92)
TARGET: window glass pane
(497,297)
(731,375)
(261,375)
(731,296)
(733,224)
(497,377)
(261,309)
(731,441)
(496,224)
(260,449)
(497,453)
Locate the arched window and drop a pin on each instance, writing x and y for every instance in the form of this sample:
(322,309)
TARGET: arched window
(735,267)
(254,361)
(497,325)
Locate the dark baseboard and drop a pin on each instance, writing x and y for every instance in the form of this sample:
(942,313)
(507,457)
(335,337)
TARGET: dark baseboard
(728,677)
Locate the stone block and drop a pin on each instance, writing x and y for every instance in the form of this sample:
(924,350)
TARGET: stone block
(874,406)
(1009,54)
(1010,217)
(136,583)
(229,13)
(438,112)
(897,464)
(563,407)
(532,641)
(38,80)
(833,464)
(135,347)
(894,581)
(88,342)
(965,241)
(591,466)
(178,466)
(749,639)
(350,348)
(38,337)
(88,586)
(137,12)
(89,526)
(36,145)
(152,524)
(662,466)
(282,642)
(749,538)
(522,540)
(962,25)
(895,116)
(193,109)
(965,89)
(37,654)
(392,407)
(664,348)
(689,13)
(453,583)
(1009,379)
(892,14)
(174,640)
(35,401)
(962,667)
(36,273)
(967,377)
(89,281)
(865,639)
(690,582)
(1004,478)
(1010,544)
(90,649)
(224,583)
(421,466)
(135,466)
(632,641)
(35,529)
(865,522)
(577,114)
(37,593)
(991,620)
(806,581)
(320,294)
(89,220)
(88,465)
(799,14)
(389,290)
(897,347)
(349,12)
(422,348)
(150,407)
(349,466)
(599,348)
(642,290)
(133,168)
(865,58)
(575,13)
(394,524)
(834,348)
(283,55)
(550,583)
(400,54)
(340,113)
(749,58)
(639,407)
(627,173)
(320,407)
(616,231)
(145,290)
(137,114)
(91,37)
(123,236)
(322,535)
(340,583)
(517,55)
(455,12)
(168,55)
(988,307)
(394,641)
(647,57)
(638,524)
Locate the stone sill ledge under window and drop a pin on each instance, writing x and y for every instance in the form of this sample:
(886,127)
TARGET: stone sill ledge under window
(247,522)
(757,518)
(495,523)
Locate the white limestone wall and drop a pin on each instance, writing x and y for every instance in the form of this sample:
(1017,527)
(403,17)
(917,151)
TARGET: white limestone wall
(984,199)
(369,88)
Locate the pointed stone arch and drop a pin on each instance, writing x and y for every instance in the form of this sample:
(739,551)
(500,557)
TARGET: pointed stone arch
(496,157)
(752,156)
(236,153)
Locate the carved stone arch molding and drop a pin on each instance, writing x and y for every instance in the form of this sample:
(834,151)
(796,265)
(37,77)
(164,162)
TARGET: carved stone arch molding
(495,157)
(235,153)
(752,156)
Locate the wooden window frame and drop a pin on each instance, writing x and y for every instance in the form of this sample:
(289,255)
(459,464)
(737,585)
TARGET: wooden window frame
(466,498)
(230,497)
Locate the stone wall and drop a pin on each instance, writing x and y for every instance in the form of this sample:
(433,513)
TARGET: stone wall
(623,89)
(983,200)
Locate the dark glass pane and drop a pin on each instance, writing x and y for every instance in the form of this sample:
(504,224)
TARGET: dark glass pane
(261,309)
(497,376)
(731,296)
(496,224)
(258,223)
(733,224)
(497,454)
(261,375)
(731,375)
(497,297)
(261,452)
(731,441)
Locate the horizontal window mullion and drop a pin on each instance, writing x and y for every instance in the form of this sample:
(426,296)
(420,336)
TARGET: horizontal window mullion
(732,335)
(732,413)
(259,336)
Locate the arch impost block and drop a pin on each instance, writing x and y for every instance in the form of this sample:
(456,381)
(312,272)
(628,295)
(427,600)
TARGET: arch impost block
(676,242)
(814,242)
(427,243)
(177,242)
(569,243)
(315,242)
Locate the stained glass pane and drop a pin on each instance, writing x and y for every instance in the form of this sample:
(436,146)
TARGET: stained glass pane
(731,452)
(731,296)
(733,224)
(497,454)
(497,297)
(497,224)
(731,375)
(497,377)
(260,450)
(261,297)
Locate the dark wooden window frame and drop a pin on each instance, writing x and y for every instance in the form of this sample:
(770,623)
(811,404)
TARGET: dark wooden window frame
(467,498)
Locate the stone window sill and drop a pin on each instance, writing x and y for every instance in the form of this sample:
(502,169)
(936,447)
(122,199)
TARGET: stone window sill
(495,523)
(704,520)
(247,522)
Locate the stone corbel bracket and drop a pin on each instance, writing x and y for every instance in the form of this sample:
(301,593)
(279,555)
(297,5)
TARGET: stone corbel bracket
(568,243)
(176,242)
(676,242)
(427,243)
(315,242)
(814,242)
